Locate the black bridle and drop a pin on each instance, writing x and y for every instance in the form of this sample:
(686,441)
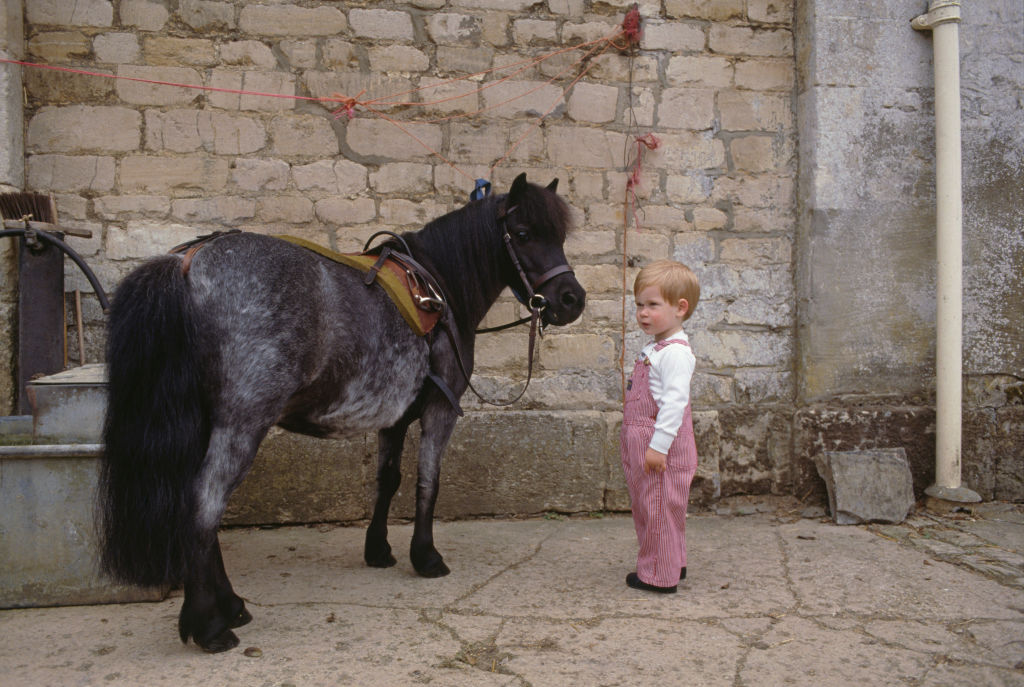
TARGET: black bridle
(535,301)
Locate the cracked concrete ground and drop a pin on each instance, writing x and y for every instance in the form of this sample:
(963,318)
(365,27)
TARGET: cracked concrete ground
(770,599)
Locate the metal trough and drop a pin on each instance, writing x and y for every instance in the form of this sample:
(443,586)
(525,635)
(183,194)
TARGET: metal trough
(49,465)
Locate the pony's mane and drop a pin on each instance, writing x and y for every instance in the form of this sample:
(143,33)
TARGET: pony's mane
(458,241)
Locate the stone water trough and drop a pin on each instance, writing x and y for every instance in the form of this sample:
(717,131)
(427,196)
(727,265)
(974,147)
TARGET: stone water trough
(49,465)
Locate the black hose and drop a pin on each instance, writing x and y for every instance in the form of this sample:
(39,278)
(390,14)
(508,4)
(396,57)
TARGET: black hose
(70,252)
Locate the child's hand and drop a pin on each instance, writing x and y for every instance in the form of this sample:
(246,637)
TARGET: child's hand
(654,461)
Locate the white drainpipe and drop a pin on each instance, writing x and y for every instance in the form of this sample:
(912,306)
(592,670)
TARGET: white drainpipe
(943,20)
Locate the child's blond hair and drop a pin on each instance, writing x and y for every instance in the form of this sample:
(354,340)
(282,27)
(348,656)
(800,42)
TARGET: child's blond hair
(673,279)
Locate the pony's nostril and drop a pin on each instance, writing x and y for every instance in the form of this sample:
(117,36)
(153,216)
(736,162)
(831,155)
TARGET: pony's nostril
(569,299)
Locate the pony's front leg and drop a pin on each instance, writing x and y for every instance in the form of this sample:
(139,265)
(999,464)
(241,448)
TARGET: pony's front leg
(437,425)
(377,552)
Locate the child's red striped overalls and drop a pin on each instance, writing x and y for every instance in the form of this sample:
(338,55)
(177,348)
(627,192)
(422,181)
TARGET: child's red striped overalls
(658,500)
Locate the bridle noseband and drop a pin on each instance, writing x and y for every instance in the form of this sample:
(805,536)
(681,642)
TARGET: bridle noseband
(535,302)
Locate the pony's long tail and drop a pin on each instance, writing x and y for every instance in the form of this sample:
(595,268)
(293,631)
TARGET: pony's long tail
(157,427)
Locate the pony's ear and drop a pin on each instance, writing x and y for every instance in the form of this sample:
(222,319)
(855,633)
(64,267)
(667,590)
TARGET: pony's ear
(518,188)
(553,186)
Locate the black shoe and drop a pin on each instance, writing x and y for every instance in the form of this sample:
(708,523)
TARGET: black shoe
(682,574)
(636,583)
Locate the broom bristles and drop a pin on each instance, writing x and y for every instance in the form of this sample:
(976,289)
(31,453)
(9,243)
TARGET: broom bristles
(38,207)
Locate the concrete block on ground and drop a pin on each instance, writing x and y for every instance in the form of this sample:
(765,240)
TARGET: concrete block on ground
(867,486)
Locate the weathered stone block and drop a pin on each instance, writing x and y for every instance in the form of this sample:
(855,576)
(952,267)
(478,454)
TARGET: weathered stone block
(83,128)
(560,351)
(516,462)
(521,98)
(345,211)
(247,54)
(303,136)
(839,428)
(534,31)
(140,93)
(227,210)
(687,108)
(254,81)
(71,173)
(58,88)
(756,251)
(593,103)
(686,152)
(59,46)
(575,147)
(290,20)
(300,54)
(770,11)
(451,28)
(296,479)
(377,138)
(402,177)
(82,13)
(409,214)
(755,449)
(165,50)
(204,15)
(699,70)
(398,58)
(260,174)
(753,154)
(443,96)
(381,24)
(153,174)
(742,40)
(761,75)
(116,48)
(754,111)
(131,207)
(290,209)
(144,15)
(142,239)
(672,36)
(867,485)
(717,10)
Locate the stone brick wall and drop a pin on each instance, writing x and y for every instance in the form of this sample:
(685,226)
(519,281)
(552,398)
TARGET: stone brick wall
(798,346)
(147,166)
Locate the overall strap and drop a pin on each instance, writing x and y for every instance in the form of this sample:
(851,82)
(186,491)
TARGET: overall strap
(661,344)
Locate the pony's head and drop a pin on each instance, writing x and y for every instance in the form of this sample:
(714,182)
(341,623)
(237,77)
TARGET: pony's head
(536,221)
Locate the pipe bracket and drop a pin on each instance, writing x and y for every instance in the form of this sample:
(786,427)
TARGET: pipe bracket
(939,12)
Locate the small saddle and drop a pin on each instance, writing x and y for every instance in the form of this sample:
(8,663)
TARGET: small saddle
(410,287)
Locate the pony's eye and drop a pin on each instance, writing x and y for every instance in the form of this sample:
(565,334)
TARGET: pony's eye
(522,235)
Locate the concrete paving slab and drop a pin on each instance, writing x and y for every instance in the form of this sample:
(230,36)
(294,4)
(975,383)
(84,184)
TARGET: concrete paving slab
(768,600)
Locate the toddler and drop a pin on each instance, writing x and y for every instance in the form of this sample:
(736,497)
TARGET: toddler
(659,456)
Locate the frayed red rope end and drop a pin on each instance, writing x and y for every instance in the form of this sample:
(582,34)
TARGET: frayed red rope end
(631,26)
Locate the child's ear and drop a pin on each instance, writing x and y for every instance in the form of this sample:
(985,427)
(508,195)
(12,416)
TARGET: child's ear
(684,307)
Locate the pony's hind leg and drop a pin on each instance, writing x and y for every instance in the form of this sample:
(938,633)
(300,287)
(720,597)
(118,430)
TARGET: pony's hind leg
(377,552)
(211,607)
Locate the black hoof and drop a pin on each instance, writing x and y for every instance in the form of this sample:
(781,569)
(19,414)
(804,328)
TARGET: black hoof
(379,559)
(243,617)
(433,567)
(225,641)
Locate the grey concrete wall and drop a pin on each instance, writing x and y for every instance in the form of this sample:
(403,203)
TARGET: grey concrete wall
(866,236)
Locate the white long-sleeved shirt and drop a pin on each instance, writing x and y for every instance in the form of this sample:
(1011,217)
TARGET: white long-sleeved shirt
(669,379)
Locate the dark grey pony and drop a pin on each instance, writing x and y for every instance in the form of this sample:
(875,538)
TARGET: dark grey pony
(261,332)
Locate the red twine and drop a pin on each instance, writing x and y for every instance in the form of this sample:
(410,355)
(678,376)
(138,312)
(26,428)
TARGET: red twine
(631,25)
